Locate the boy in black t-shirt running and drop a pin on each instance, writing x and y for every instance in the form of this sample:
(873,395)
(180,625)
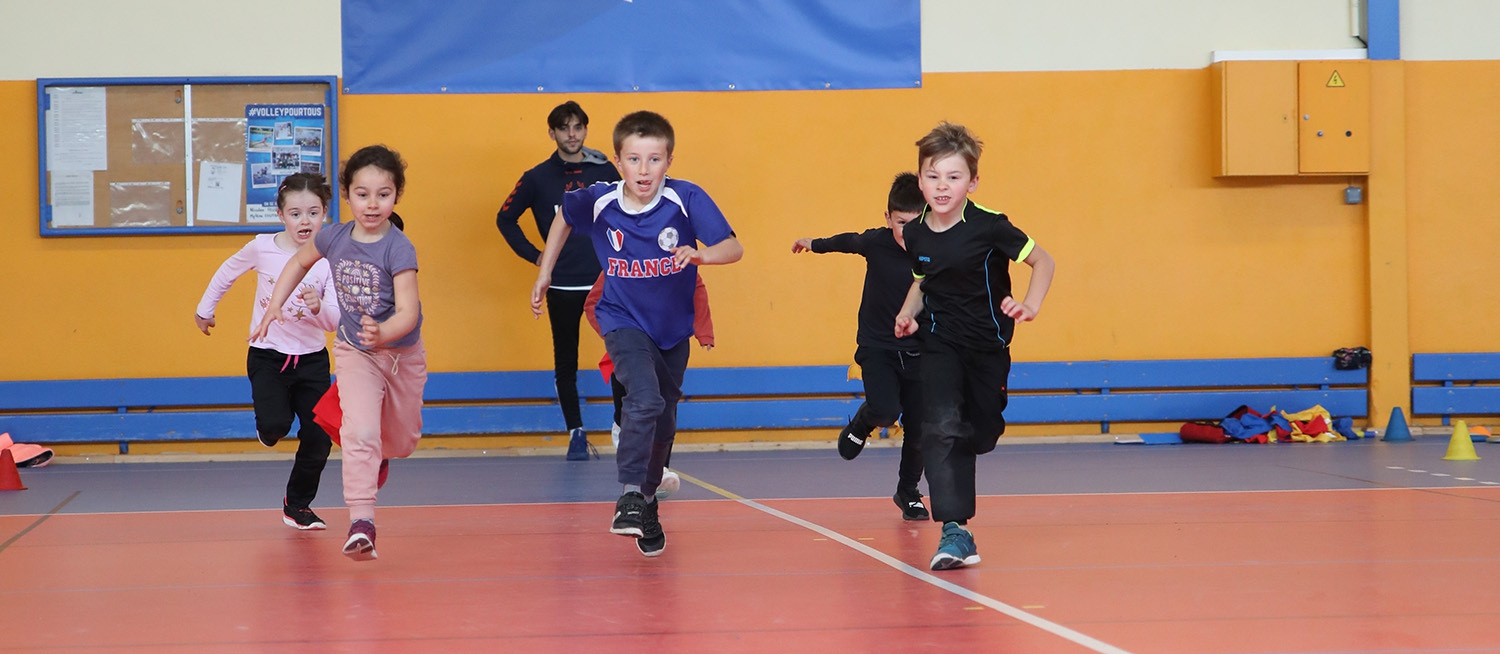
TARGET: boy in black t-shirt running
(961,306)
(888,365)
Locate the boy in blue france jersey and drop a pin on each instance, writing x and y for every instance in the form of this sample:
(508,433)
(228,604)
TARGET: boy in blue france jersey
(961,308)
(888,365)
(645,229)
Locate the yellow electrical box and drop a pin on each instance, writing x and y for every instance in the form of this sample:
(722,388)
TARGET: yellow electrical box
(1256,103)
(1333,106)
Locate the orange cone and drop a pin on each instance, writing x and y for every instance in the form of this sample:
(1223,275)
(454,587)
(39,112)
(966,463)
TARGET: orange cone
(10,477)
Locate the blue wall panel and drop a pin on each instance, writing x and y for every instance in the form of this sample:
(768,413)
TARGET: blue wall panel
(573,46)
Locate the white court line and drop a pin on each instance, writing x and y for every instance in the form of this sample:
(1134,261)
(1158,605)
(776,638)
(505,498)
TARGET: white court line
(919,574)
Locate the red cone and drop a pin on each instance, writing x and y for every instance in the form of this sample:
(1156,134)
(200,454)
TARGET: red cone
(10,477)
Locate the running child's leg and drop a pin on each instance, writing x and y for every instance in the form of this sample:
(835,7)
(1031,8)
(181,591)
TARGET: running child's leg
(361,396)
(637,361)
(880,370)
(986,375)
(313,443)
(401,419)
(270,394)
(908,496)
(673,367)
(945,440)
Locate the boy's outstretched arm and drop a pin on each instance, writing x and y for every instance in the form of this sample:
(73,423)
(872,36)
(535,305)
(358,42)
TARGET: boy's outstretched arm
(848,242)
(555,239)
(726,251)
(1042,267)
(906,320)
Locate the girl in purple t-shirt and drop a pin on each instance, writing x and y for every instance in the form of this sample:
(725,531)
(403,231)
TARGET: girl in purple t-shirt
(288,369)
(381,362)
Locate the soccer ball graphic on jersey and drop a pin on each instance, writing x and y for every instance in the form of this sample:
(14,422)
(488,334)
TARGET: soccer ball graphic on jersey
(667,239)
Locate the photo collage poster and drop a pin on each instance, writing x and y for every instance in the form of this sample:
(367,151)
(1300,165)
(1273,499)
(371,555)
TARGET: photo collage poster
(280,140)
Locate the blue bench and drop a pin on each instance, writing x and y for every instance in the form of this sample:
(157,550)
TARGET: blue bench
(520,402)
(1455,384)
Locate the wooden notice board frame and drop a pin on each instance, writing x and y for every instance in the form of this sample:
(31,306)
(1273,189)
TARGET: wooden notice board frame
(168,155)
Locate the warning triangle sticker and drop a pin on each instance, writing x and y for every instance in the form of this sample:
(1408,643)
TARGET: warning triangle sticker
(1336,80)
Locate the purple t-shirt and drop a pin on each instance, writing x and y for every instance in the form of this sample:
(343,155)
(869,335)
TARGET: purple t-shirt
(362,278)
(644,288)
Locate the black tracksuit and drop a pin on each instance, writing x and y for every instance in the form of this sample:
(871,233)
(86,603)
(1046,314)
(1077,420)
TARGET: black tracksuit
(964,271)
(888,365)
(541,190)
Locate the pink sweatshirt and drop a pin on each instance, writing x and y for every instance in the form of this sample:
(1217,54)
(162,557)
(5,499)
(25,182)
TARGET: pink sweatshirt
(299,331)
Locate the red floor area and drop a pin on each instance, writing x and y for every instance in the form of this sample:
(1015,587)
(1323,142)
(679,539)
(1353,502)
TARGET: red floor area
(1406,570)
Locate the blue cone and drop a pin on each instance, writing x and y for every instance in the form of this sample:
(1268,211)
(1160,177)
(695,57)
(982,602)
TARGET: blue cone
(1395,430)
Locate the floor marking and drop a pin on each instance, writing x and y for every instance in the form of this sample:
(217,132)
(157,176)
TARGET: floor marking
(916,573)
(38,522)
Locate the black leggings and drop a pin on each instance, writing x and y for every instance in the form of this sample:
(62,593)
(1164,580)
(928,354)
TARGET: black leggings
(283,386)
(564,311)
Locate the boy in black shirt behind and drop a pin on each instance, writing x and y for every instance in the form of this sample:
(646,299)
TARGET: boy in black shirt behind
(961,306)
(888,364)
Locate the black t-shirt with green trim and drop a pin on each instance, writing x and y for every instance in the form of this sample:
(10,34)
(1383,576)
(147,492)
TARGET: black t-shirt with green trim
(965,273)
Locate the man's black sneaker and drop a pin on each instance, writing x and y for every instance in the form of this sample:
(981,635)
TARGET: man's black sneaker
(653,540)
(267,439)
(911,505)
(302,518)
(851,443)
(630,515)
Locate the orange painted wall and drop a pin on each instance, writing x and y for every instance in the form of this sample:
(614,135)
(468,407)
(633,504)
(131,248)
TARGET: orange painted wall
(1453,137)
(1110,171)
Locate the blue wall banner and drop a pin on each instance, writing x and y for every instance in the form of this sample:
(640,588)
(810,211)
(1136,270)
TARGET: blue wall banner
(280,140)
(577,46)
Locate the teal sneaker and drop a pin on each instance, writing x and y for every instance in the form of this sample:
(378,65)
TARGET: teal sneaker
(956,549)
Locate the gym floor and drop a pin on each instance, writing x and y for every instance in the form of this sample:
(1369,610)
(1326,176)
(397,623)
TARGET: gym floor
(1362,546)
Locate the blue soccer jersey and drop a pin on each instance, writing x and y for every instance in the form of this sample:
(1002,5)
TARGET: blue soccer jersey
(643,288)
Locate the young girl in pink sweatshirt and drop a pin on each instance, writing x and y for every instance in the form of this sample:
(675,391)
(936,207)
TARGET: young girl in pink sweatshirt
(382,364)
(288,369)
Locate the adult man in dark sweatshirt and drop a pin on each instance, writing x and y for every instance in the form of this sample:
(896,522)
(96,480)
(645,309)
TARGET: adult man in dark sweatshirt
(541,189)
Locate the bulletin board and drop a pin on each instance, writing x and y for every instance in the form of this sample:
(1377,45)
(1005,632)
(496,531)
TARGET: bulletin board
(123,156)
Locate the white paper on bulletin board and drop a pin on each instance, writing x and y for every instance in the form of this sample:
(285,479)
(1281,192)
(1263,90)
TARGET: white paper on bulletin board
(77,138)
(219,191)
(72,198)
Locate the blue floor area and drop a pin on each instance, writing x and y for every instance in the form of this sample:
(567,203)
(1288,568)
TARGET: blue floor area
(774,474)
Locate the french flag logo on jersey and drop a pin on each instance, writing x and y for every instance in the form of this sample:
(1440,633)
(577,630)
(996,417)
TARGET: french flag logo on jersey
(616,238)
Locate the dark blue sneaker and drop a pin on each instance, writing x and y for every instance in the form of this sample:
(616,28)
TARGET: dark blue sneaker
(956,549)
(579,446)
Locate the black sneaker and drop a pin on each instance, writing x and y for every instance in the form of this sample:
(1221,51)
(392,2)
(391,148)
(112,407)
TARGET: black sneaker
(850,443)
(653,540)
(302,518)
(630,515)
(267,440)
(911,505)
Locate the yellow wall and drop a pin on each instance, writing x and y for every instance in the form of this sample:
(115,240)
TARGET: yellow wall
(1110,171)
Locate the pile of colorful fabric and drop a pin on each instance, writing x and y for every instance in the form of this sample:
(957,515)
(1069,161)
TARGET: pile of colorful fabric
(1246,425)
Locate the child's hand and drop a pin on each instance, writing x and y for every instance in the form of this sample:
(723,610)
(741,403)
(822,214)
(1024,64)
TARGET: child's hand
(265,325)
(802,245)
(686,254)
(905,325)
(539,293)
(1017,310)
(203,323)
(312,298)
(369,331)
(708,347)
